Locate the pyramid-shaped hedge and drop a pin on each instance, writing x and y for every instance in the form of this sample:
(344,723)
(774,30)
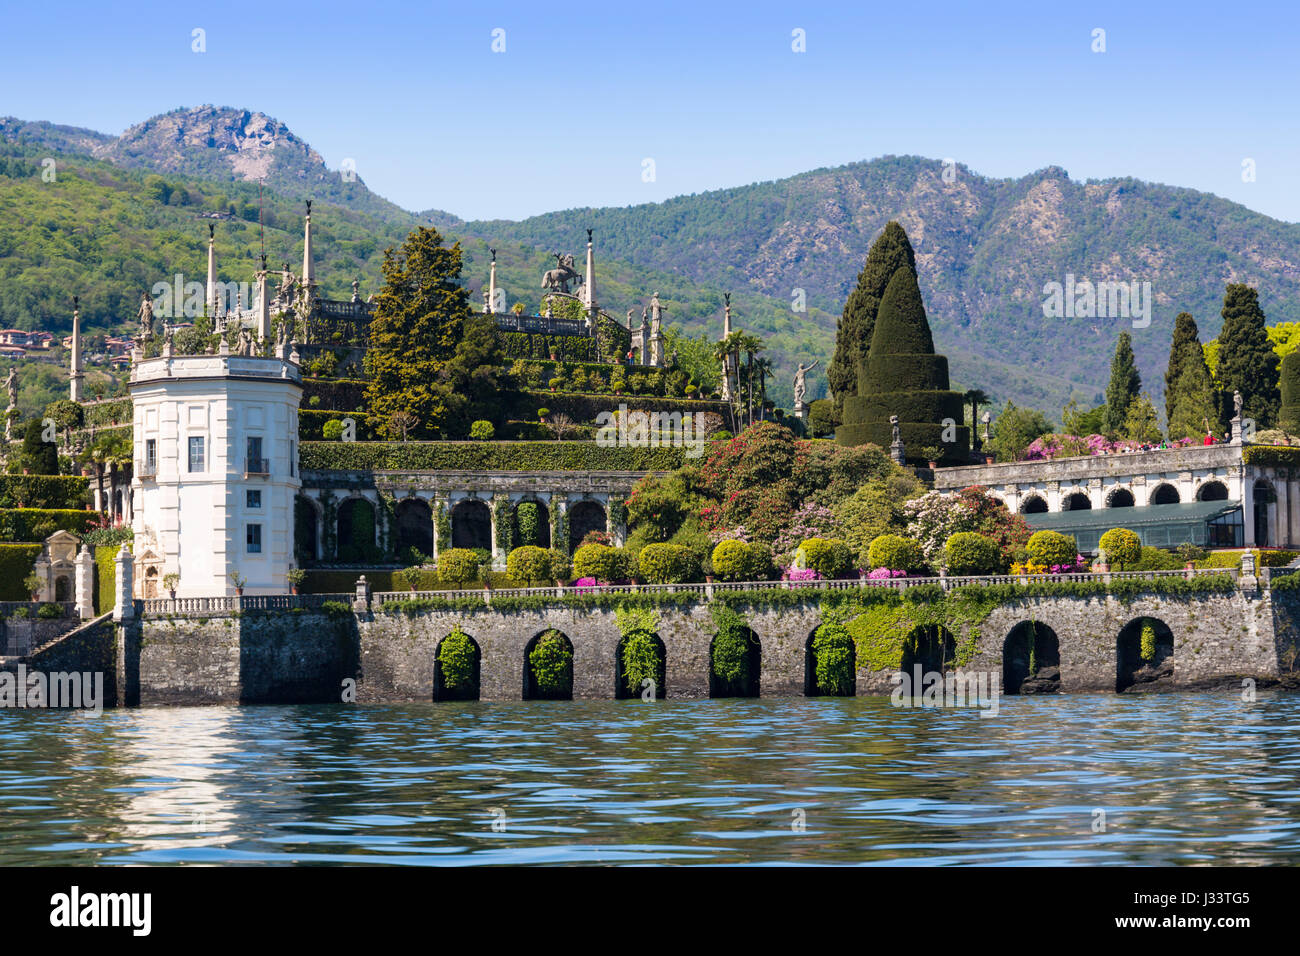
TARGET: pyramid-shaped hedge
(902,376)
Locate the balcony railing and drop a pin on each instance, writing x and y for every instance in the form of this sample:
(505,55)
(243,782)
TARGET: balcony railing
(256,467)
(146,469)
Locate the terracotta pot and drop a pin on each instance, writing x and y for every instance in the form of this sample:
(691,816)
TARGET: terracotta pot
(708,578)
(934,465)
(172,594)
(239,592)
(293,589)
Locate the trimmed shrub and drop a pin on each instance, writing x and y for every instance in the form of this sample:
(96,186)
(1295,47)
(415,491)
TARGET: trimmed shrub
(1121,545)
(1051,547)
(49,611)
(741,561)
(458,566)
(551,664)
(530,566)
(668,564)
(829,557)
(1155,559)
(487,456)
(106,578)
(332,430)
(561,566)
(894,552)
(967,552)
(598,561)
(16,562)
(43,491)
(482,430)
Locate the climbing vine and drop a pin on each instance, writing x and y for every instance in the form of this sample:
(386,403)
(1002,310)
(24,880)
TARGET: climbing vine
(505,526)
(551,661)
(833,660)
(618,515)
(528,518)
(730,657)
(559,525)
(330,523)
(442,524)
(387,522)
(456,658)
(638,650)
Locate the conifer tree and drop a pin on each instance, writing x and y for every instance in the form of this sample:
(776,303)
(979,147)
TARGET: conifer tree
(1195,409)
(1141,424)
(1184,352)
(419,317)
(1247,362)
(1125,384)
(856,326)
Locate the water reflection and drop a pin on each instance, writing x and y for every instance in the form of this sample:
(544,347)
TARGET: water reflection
(1185,778)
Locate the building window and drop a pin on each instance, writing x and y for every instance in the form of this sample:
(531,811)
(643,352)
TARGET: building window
(293,459)
(151,453)
(256,463)
(254,539)
(196,453)
(254,499)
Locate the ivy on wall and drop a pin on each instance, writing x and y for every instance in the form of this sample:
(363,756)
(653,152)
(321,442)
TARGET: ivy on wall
(442,524)
(505,531)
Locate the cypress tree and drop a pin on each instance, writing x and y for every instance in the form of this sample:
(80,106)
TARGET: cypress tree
(889,253)
(902,376)
(1125,383)
(39,457)
(1195,408)
(1247,362)
(1289,416)
(1185,351)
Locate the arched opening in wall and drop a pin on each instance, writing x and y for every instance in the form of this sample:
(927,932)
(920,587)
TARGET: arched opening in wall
(117,504)
(532,524)
(305,547)
(1265,500)
(548,667)
(1076,501)
(1034,505)
(929,649)
(640,666)
(1165,494)
(829,662)
(1120,498)
(62,588)
(414,529)
(584,517)
(456,667)
(151,582)
(1031,660)
(1212,491)
(471,525)
(735,663)
(1144,657)
(356,540)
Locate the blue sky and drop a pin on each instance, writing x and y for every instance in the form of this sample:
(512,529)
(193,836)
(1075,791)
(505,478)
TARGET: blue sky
(713,93)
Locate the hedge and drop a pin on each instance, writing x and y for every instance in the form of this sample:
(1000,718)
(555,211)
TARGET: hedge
(311,423)
(341,395)
(37,524)
(16,562)
(105,579)
(331,581)
(1272,456)
(43,491)
(486,456)
(113,411)
(585,408)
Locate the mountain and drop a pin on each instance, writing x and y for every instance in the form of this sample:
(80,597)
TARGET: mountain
(986,248)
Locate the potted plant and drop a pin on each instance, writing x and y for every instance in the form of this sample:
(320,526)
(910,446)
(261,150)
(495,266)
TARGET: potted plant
(411,576)
(33,584)
(295,577)
(238,580)
(170,580)
(931,454)
(1102,564)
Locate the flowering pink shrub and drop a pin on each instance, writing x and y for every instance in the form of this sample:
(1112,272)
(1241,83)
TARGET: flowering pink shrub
(810,521)
(879,573)
(1072,446)
(800,574)
(583,584)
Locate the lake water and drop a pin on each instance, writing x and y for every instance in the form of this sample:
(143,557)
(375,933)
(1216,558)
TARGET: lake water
(1181,778)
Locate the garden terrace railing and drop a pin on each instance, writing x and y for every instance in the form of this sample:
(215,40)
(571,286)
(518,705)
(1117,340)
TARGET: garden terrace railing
(540,324)
(709,589)
(226,603)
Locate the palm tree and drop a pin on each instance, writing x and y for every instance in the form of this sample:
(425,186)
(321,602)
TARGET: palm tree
(975,397)
(764,367)
(749,344)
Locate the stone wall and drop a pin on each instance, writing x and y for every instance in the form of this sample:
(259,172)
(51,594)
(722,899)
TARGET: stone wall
(306,656)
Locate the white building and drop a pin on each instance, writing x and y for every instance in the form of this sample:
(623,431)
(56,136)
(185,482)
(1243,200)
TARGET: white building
(216,439)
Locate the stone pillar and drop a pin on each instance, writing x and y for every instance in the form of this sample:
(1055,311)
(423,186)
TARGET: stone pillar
(1096,493)
(85,584)
(42,570)
(1248,510)
(361,600)
(498,554)
(124,602)
(439,502)
(1053,496)
(1282,537)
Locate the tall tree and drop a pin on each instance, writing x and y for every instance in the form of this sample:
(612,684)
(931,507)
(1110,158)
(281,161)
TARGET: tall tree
(1185,352)
(856,326)
(1125,384)
(975,397)
(1195,411)
(419,318)
(1247,362)
(39,457)
(1141,424)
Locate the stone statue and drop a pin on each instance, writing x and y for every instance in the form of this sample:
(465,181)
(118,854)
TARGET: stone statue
(145,315)
(287,280)
(558,279)
(800,381)
(11,383)
(245,346)
(487,300)
(356,291)
(1236,403)
(168,332)
(893,424)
